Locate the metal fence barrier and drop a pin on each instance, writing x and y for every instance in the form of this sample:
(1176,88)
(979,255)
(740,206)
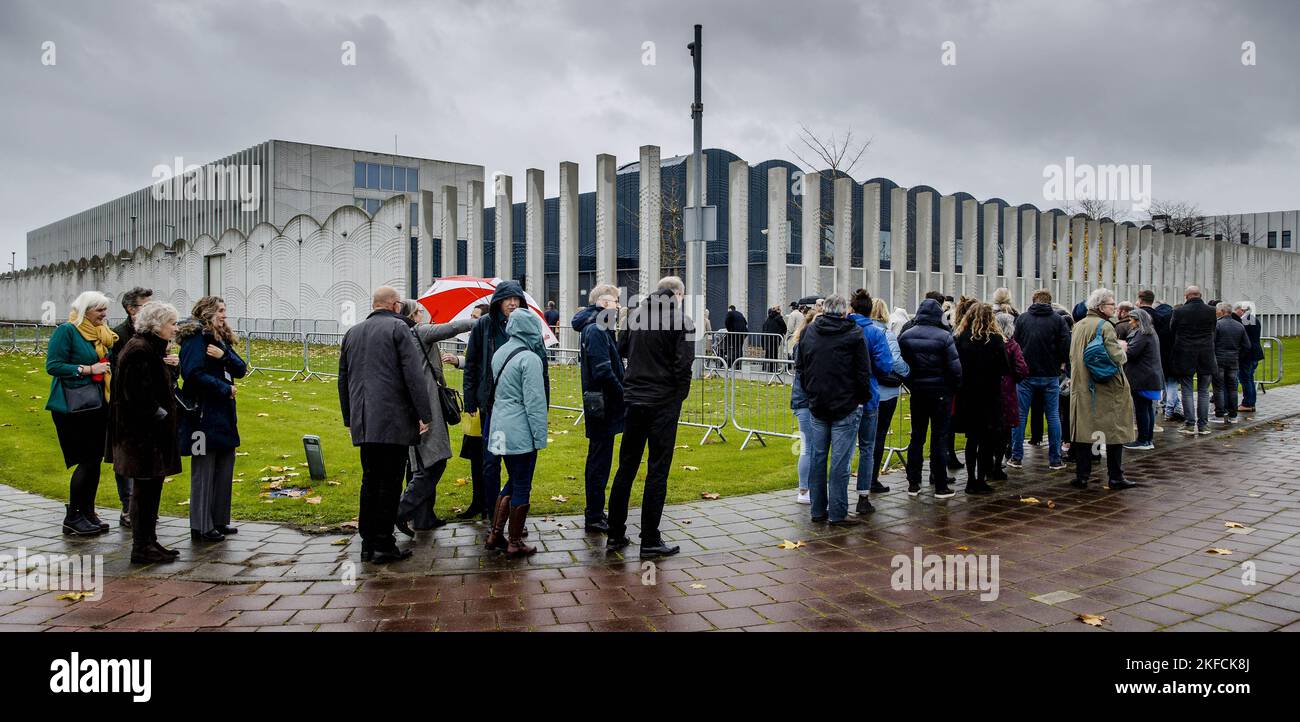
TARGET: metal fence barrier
(765,409)
(1270,369)
(24,337)
(320,355)
(707,407)
(276,352)
(899,431)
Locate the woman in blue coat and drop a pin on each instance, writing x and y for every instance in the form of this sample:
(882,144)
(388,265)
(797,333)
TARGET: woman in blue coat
(209,430)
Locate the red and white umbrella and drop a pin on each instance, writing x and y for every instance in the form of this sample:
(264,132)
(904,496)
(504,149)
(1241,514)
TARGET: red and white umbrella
(454,297)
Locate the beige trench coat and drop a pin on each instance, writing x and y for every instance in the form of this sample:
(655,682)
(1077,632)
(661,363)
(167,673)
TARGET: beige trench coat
(1110,408)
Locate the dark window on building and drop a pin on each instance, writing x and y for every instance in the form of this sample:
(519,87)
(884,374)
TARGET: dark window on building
(412,179)
(958,254)
(399,178)
(1286,239)
(359,174)
(1272,239)
(372,175)
(386,177)
(415,216)
(1245,239)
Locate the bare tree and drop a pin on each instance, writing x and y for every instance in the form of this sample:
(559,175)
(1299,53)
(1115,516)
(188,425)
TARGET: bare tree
(1096,209)
(672,226)
(837,154)
(1231,229)
(1178,216)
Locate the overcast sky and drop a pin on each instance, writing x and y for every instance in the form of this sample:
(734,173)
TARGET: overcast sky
(514,85)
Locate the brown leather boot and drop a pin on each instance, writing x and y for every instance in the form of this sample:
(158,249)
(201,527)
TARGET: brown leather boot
(516,546)
(497,537)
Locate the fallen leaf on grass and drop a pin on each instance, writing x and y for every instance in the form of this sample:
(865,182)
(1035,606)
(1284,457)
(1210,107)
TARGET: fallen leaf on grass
(460,482)
(183,503)
(315,499)
(75,596)
(787,544)
(682,446)
(690,468)
(263,414)
(241,453)
(963,549)
(334,483)
(710,495)
(457,509)
(1218,550)
(1092,619)
(559,498)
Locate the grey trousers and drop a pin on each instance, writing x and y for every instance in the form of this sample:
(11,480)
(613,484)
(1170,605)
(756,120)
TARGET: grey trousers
(124,491)
(211,476)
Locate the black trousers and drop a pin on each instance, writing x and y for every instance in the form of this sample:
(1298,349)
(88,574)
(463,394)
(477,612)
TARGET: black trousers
(981,450)
(600,457)
(146,494)
(1083,461)
(656,426)
(887,408)
(929,411)
(382,468)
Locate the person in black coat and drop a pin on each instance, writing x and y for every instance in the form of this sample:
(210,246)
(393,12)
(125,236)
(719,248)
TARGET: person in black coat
(935,373)
(774,325)
(142,426)
(1145,376)
(1250,358)
(602,375)
(658,345)
(1044,339)
(132,300)
(210,363)
(737,330)
(1230,344)
(1192,355)
(834,369)
(984,362)
(386,404)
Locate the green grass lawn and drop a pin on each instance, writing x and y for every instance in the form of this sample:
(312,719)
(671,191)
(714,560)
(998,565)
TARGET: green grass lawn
(275,413)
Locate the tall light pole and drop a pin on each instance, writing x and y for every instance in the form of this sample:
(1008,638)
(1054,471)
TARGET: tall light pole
(697,243)
(133,234)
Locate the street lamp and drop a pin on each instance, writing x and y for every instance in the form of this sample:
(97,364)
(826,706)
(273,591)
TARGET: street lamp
(132,233)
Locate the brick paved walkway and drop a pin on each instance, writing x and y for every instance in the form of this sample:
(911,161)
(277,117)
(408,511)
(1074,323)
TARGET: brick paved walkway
(1137,557)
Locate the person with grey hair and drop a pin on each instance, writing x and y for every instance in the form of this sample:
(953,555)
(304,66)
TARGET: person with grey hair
(1192,357)
(660,355)
(1123,325)
(603,410)
(1017,371)
(1145,377)
(1230,344)
(132,300)
(1244,313)
(1101,404)
(142,426)
(76,358)
(833,366)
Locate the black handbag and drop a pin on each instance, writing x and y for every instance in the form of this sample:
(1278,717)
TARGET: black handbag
(593,405)
(83,398)
(449,399)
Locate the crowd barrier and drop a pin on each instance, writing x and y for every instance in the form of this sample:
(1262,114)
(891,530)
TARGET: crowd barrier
(764,412)
(279,352)
(1270,369)
(24,337)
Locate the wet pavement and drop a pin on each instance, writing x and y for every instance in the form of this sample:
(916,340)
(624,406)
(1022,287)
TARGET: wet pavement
(1140,558)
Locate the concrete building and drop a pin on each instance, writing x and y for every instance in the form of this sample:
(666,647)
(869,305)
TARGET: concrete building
(897,242)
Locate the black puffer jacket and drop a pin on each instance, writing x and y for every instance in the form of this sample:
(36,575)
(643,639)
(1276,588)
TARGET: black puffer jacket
(1193,327)
(1161,316)
(1044,339)
(659,352)
(1143,367)
(930,352)
(833,366)
(1230,340)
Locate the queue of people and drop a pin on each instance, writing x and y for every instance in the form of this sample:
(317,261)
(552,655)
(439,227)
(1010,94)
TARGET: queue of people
(127,396)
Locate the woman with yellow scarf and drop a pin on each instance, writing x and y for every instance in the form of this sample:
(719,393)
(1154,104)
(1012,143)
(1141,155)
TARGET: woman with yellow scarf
(77,361)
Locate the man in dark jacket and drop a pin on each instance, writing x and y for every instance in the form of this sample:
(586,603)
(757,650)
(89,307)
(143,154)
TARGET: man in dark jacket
(774,325)
(938,298)
(1044,340)
(385,403)
(931,354)
(660,352)
(1230,344)
(737,330)
(602,378)
(1250,359)
(1192,328)
(834,370)
(489,334)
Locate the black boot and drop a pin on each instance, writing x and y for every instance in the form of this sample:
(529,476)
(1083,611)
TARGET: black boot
(75,523)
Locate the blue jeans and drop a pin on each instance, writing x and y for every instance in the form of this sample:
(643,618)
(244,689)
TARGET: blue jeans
(804,417)
(1199,403)
(834,439)
(1173,396)
(1246,374)
(1050,387)
(519,482)
(1144,410)
(866,447)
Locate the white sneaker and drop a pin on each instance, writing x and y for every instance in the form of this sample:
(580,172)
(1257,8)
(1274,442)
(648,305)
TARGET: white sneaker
(1158,429)
(804,497)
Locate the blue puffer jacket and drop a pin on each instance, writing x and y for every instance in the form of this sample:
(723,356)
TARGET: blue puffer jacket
(930,352)
(900,366)
(882,360)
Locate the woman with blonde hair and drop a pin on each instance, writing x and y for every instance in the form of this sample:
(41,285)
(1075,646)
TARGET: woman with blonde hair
(984,362)
(1002,302)
(77,360)
(209,429)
